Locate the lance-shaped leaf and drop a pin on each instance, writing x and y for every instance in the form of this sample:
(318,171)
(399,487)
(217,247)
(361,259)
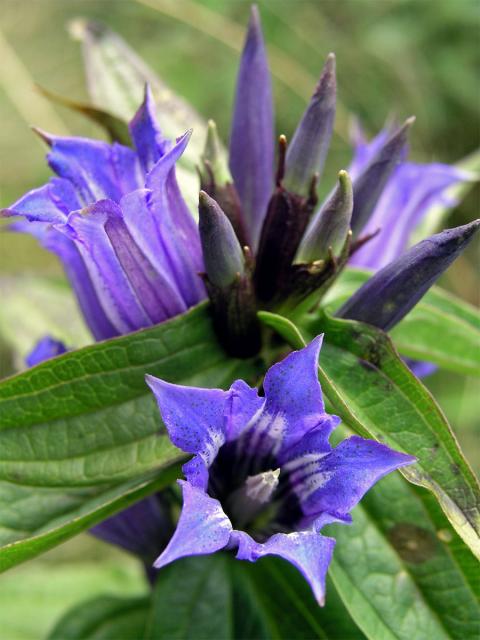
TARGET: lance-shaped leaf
(365,380)
(222,253)
(80,436)
(309,146)
(368,186)
(251,137)
(390,294)
(330,226)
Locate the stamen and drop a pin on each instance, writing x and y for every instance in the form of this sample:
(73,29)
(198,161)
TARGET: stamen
(251,498)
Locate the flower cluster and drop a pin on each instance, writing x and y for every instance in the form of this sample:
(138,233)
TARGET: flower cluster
(116,219)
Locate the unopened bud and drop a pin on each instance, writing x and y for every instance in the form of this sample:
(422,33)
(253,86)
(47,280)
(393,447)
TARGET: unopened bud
(394,290)
(222,253)
(328,230)
(309,146)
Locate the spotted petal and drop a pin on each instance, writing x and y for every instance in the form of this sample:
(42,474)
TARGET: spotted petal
(336,482)
(202,528)
(308,551)
(195,421)
(293,406)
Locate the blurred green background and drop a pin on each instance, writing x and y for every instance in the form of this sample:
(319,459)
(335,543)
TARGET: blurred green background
(394,57)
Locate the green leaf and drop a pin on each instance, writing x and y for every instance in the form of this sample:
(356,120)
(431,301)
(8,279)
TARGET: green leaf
(441,328)
(192,599)
(401,571)
(80,435)
(104,618)
(286,601)
(375,393)
(221,597)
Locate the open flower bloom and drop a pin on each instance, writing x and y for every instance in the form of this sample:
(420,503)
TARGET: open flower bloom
(117,220)
(264,479)
(410,192)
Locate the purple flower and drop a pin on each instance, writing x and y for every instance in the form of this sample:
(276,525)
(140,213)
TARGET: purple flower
(409,193)
(116,219)
(264,479)
(45,349)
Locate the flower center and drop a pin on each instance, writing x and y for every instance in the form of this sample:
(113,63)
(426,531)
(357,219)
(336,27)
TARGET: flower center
(252,497)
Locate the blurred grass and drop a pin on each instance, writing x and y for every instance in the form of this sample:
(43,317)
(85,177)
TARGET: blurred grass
(398,57)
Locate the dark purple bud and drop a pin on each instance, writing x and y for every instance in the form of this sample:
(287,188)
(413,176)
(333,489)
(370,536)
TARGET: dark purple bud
(222,253)
(309,146)
(368,187)
(287,218)
(252,138)
(390,294)
(328,231)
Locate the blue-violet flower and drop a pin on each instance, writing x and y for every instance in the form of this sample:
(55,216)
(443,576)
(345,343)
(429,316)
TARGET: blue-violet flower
(264,479)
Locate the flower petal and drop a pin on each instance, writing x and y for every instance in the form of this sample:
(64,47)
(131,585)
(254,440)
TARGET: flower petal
(194,417)
(142,529)
(202,528)
(409,194)
(50,203)
(245,402)
(336,483)
(115,292)
(96,170)
(251,136)
(308,551)
(146,135)
(45,349)
(176,225)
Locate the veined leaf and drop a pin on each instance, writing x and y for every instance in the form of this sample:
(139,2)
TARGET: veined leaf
(399,571)
(441,328)
(375,394)
(81,437)
(284,597)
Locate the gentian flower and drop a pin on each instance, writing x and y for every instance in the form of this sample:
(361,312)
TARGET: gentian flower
(264,479)
(117,220)
(410,192)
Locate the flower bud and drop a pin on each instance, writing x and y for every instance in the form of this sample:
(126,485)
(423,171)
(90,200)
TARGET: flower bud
(309,147)
(228,282)
(390,294)
(328,230)
(368,187)
(222,253)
